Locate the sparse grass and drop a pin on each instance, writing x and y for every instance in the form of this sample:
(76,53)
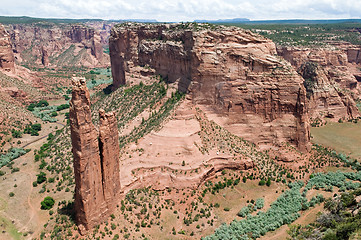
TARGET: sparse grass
(9,228)
(343,137)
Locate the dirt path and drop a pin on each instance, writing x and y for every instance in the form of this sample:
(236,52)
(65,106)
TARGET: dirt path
(33,213)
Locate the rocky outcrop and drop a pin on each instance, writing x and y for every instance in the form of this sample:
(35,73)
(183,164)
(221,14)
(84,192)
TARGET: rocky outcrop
(109,155)
(57,45)
(329,80)
(6,53)
(96,164)
(326,98)
(354,54)
(14,92)
(231,70)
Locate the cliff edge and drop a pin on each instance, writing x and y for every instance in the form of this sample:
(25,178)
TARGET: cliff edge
(232,73)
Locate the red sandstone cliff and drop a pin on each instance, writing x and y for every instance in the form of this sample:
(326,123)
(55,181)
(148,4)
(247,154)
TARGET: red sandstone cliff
(109,155)
(234,71)
(329,78)
(96,163)
(57,45)
(6,53)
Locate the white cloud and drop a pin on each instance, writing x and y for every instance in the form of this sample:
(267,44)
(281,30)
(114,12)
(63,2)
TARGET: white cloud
(184,10)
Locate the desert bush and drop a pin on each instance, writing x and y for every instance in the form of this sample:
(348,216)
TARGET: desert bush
(41,177)
(283,211)
(259,203)
(12,154)
(47,203)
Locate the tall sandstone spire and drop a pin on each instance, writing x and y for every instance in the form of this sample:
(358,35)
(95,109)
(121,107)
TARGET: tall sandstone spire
(96,164)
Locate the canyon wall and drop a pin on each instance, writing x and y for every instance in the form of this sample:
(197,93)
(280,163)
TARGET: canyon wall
(96,163)
(57,45)
(330,79)
(6,52)
(233,72)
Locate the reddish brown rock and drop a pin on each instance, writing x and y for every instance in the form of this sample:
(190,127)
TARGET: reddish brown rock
(233,71)
(57,45)
(354,54)
(109,155)
(6,52)
(14,92)
(329,80)
(96,164)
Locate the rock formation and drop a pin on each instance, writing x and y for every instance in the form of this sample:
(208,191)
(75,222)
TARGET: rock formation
(329,80)
(354,54)
(55,45)
(109,155)
(6,52)
(231,70)
(96,164)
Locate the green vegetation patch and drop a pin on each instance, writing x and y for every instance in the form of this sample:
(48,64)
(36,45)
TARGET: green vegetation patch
(12,154)
(286,208)
(45,112)
(307,34)
(47,203)
(9,227)
(33,129)
(283,211)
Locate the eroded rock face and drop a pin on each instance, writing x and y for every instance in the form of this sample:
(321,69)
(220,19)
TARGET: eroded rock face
(234,71)
(57,45)
(354,54)
(109,155)
(6,52)
(329,79)
(96,164)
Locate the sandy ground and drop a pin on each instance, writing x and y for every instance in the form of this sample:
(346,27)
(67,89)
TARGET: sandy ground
(343,137)
(174,148)
(22,212)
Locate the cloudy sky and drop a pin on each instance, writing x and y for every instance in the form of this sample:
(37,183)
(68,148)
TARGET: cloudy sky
(184,10)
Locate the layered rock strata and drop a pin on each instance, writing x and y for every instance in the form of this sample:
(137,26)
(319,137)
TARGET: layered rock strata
(57,45)
(233,71)
(96,164)
(6,53)
(329,79)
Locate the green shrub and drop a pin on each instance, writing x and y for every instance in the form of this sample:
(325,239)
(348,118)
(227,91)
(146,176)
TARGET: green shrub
(259,203)
(262,182)
(33,129)
(268,183)
(16,133)
(41,177)
(47,203)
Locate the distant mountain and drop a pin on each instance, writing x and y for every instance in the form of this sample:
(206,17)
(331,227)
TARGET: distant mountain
(140,20)
(303,21)
(29,20)
(24,19)
(286,21)
(234,20)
